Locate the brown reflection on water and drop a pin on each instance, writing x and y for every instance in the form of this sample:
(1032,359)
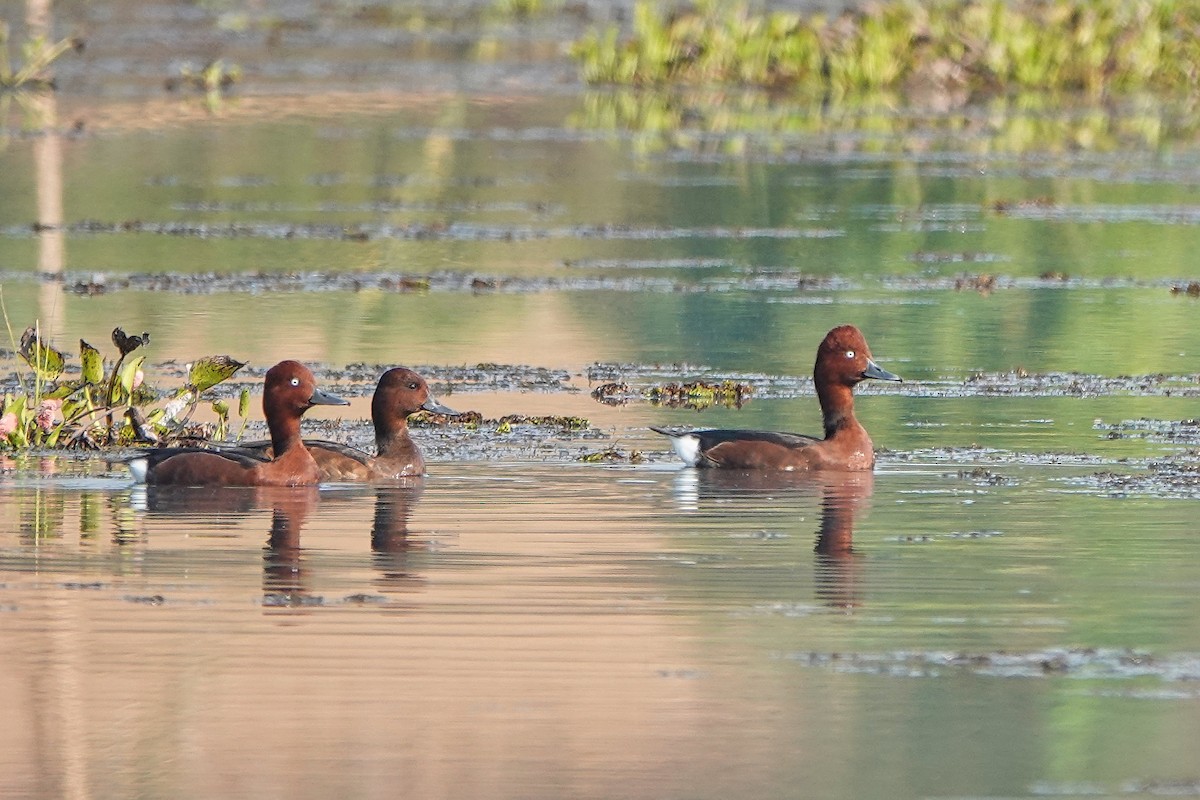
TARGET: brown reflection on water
(843,497)
(284,583)
(390,540)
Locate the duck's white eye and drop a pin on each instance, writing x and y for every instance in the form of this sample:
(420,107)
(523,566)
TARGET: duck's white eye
(849,354)
(295,381)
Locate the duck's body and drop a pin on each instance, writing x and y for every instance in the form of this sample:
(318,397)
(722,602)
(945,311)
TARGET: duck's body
(288,391)
(400,392)
(843,360)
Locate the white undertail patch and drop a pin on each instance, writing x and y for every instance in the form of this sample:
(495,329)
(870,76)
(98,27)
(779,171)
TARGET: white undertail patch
(687,447)
(138,468)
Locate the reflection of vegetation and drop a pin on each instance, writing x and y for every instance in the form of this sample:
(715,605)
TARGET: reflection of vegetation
(699,394)
(707,119)
(38,53)
(214,79)
(1089,45)
(103,405)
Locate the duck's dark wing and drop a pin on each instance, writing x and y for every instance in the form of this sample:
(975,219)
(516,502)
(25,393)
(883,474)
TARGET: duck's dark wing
(340,449)
(744,449)
(263,447)
(711,438)
(145,462)
(242,456)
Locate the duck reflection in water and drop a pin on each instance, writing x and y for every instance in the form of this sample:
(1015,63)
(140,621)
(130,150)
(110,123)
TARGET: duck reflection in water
(283,573)
(391,545)
(284,579)
(842,496)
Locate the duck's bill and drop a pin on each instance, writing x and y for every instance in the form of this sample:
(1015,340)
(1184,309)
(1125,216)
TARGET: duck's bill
(877,372)
(434,407)
(323,398)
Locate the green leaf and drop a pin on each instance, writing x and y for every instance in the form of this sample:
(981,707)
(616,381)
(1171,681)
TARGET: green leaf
(244,402)
(93,363)
(47,362)
(207,372)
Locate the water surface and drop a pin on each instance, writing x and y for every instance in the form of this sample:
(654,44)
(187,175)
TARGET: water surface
(517,630)
(1005,610)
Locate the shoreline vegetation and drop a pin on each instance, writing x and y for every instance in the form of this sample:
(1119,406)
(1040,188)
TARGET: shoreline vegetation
(957,48)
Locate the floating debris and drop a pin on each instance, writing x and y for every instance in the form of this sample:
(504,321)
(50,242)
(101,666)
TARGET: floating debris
(699,394)
(1093,663)
(611,455)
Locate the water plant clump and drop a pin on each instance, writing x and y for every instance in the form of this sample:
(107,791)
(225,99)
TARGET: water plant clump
(106,404)
(38,54)
(1093,46)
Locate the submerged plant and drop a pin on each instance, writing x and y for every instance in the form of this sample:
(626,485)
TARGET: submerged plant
(104,405)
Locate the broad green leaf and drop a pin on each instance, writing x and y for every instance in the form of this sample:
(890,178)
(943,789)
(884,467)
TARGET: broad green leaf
(207,372)
(47,362)
(93,363)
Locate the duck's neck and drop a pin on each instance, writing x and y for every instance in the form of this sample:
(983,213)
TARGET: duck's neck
(837,406)
(285,435)
(390,433)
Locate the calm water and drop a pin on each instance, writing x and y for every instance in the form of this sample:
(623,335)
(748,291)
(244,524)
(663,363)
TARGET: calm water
(518,630)
(1007,609)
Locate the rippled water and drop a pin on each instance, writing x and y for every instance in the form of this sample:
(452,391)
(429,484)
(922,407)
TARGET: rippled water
(515,630)
(1006,609)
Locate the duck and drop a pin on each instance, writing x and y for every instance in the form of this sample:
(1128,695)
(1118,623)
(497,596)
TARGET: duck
(399,393)
(289,390)
(843,361)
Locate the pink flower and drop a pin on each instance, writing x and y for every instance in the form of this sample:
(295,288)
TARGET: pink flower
(48,414)
(8,424)
(138,377)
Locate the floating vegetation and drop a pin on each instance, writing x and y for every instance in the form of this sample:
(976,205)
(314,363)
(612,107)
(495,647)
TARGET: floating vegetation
(983,283)
(105,405)
(1094,663)
(699,394)
(963,46)
(564,423)
(611,455)
(612,394)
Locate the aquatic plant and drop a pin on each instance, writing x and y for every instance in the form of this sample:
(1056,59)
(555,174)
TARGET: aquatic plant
(977,45)
(103,404)
(38,54)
